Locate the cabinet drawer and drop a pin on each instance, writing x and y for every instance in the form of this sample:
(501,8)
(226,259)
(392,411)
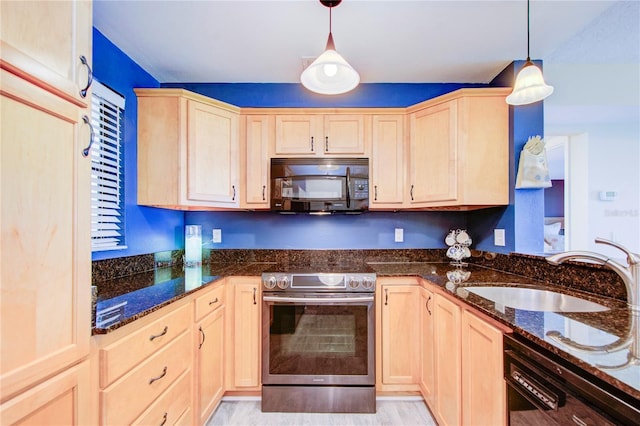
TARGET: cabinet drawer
(123,401)
(121,356)
(169,406)
(209,302)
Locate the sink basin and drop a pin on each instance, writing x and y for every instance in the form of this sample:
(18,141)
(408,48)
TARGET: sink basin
(531,299)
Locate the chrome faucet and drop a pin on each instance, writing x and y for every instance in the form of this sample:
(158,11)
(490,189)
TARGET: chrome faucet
(629,273)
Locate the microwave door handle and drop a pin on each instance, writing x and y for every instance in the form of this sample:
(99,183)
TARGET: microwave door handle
(348,187)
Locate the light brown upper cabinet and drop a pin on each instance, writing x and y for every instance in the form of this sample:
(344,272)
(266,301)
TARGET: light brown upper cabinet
(188,151)
(256,139)
(459,151)
(386,188)
(321,134)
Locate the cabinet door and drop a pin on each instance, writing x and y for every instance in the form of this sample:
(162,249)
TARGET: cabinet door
(212,154)
(427,345)
(484,388)
(45,316)
(399,334)
(448,362)
(64,399)
(298,135)
(258,135)
(344,134)
(45,39)
(246,334)
(209,364)
(434,154)
(387,162)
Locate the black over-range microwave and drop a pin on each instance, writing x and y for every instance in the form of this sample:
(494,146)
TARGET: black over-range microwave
(319,185)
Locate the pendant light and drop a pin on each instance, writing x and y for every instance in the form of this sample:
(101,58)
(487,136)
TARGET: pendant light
(330,73)
(529,86)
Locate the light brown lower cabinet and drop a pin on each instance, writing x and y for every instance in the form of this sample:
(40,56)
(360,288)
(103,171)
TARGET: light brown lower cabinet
(209,365)
(462,362)
(64,399)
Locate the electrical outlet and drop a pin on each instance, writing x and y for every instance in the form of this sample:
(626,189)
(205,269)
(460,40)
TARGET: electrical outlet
(499,237)
(217,235)
(399,235)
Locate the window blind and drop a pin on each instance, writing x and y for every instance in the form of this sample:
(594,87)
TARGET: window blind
(107,178)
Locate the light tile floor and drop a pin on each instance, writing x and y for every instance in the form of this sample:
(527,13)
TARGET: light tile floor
(390,412)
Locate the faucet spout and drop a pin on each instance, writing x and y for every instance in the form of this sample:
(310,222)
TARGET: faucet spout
(630,274)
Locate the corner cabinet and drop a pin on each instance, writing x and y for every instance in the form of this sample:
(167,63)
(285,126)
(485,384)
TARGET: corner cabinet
(256,138)
(188,151)
(45,253)
(459,151)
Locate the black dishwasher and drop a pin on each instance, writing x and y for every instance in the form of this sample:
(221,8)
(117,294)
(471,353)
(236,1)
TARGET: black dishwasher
(543,389)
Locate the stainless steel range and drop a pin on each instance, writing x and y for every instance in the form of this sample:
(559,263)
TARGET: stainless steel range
(318,331)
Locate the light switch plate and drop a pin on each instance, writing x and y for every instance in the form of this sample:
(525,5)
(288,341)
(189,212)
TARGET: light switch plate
(399,235)
(217,235)
(498,237)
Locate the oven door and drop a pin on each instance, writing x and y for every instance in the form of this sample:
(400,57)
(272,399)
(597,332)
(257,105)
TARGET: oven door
(318,339)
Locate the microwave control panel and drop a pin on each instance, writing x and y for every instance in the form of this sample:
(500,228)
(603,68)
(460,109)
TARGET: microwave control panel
(360,189)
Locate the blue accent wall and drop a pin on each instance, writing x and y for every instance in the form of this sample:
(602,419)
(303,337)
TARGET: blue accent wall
(150,230)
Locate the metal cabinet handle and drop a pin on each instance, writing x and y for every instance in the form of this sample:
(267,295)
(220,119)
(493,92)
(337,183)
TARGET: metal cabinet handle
(411,192)
(164,373)
(264,192)
(326,143)
(386,296)
(427,304)
(311,143)
(164,419)
(233,198)
(155,336)
(84,91)
(203,337)
(213,301)
(255,290)
(375,193)
(87,121)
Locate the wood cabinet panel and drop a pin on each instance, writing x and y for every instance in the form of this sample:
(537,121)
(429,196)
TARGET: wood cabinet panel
(45,310)
(124,400)
(256,141)
(399,319)
(427,346)
(171,405)
(210,364)
(124,354)
(63,399)
(296,134)
(387,162)
(344,134)
(448,362)
(210,301)
(483,386)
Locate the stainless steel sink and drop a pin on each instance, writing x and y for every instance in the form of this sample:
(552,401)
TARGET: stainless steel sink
(531,299)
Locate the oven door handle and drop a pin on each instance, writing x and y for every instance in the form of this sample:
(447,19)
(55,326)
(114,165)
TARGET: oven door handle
(317,299)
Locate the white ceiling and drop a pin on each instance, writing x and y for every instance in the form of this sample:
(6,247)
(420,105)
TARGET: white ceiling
(386,41)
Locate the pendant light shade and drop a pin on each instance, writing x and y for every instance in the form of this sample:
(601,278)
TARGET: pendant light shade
(330,73)
(529,86)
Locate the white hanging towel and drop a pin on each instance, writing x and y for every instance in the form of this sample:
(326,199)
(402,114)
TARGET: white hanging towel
(533,169)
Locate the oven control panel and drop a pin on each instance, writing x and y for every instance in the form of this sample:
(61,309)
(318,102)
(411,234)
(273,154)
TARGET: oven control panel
(323,282)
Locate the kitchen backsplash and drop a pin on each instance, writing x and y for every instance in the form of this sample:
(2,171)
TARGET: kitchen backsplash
(592,278)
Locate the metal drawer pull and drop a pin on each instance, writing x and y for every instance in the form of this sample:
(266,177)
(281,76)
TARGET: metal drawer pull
(254,295)
(87,121)
(326,143)
(428,300)
(155,336)
(164,419)
(375,192)
(311,143)
(203,337)
(84,91)
(164,373)
(264,190)
(234,192)
(386,296)
(213,301)
(411,192)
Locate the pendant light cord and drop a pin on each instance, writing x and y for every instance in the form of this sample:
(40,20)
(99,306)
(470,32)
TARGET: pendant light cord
(528,18)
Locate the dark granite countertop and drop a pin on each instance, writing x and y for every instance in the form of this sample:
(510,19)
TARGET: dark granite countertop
(140,294)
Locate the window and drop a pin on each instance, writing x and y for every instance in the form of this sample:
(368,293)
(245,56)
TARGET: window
(107,177)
